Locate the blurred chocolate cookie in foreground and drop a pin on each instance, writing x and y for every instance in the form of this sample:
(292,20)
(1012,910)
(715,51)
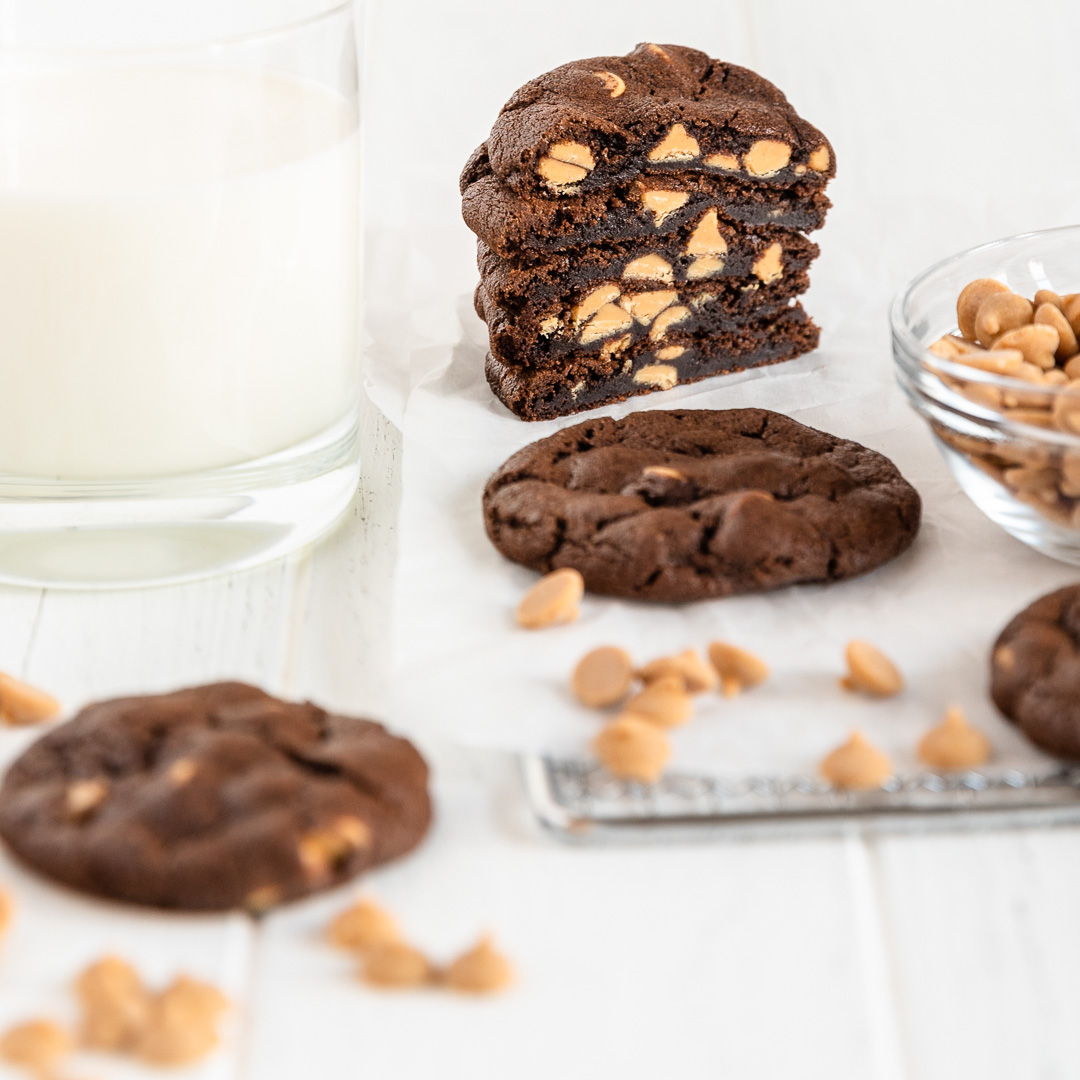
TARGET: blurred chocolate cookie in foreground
(640,222)
(698,504)
(212,798)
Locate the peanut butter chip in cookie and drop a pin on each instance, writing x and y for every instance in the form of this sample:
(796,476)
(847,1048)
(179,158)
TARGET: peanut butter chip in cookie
(364,926)
(396,966)
(602,677)
(37,1045)
(553,599)
(954,743)
(481,970)
(633,749)
(870,671)
(856,765)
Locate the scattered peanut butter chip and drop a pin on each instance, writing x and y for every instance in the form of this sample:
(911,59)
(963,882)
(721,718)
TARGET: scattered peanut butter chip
(870,671)
(954,743)
(633,749)
(35,1044)
(857,765)
(21,703)
(553,599)
(602,677)
(696,676)
(481,970)
(396,966)
(738,669)
(364,926)
(182,1023)
(115,1005)
(664,701)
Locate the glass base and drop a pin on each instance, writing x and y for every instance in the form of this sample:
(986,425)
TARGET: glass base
(105,535)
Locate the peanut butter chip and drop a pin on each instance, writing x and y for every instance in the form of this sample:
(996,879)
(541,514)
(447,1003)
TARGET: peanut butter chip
(182,770)
(115,1005)
(706,238)
(769,266)
(649,268)
(363,926)
(21,703)
(325,851)
(553,599)
(767,157)
(84,796)
(662,203)
(819,159)
(727,162)
(871,671)
(954,744)
(677,145)
(664,701)
(633,749)
(660,376)
(704,266)
(738,669)
(688,668)
(611,82)
(181,1024)
(7,912)
(1051,315)
(36,1045)
(1000,312)
(396,966)
(566,163)
(668,318)
(481,970)
(602,677)
(856,765)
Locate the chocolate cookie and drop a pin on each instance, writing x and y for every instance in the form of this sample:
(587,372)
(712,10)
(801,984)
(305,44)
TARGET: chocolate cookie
(1035,672)
(212,798)
(592,123)
(697,504)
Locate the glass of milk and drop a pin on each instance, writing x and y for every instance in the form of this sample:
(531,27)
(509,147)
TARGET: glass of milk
(179,285)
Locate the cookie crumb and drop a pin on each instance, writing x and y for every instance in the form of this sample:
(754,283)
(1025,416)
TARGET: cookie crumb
(553,599)
(481,970)
(954,743)
(115,1005)
(633,748)
(857,765)
(35,1044)
(870,671)
(738,669)
(363,926)
(603,677)
(396,966)
(21,703)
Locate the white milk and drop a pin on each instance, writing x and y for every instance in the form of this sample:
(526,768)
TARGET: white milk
(178,268)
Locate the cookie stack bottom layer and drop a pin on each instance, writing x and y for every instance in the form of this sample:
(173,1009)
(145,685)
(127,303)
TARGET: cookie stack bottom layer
(544,393)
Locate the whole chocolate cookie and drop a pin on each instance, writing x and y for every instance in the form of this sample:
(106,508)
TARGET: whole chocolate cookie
(697,504)
(212,798)
(1035,672)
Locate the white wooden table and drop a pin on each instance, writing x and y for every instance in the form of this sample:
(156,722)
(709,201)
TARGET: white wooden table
(906,957)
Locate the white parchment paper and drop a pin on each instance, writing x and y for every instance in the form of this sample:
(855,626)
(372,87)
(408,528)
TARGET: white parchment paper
(464,671)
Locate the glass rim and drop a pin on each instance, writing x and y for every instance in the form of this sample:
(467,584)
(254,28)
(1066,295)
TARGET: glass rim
(226,41)
(914,352)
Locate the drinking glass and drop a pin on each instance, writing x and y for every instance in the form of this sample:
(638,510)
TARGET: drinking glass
(179,285)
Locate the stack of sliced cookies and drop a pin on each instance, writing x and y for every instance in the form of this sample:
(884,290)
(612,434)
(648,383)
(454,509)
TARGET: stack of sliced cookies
(641,224)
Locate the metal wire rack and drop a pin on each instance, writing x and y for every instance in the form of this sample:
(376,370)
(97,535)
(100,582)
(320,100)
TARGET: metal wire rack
(578,800)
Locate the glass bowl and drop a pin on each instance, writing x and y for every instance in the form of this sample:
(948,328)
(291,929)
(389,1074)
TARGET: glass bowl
(1013,444)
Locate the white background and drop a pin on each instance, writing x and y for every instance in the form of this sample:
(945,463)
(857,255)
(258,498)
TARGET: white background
(914,957)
